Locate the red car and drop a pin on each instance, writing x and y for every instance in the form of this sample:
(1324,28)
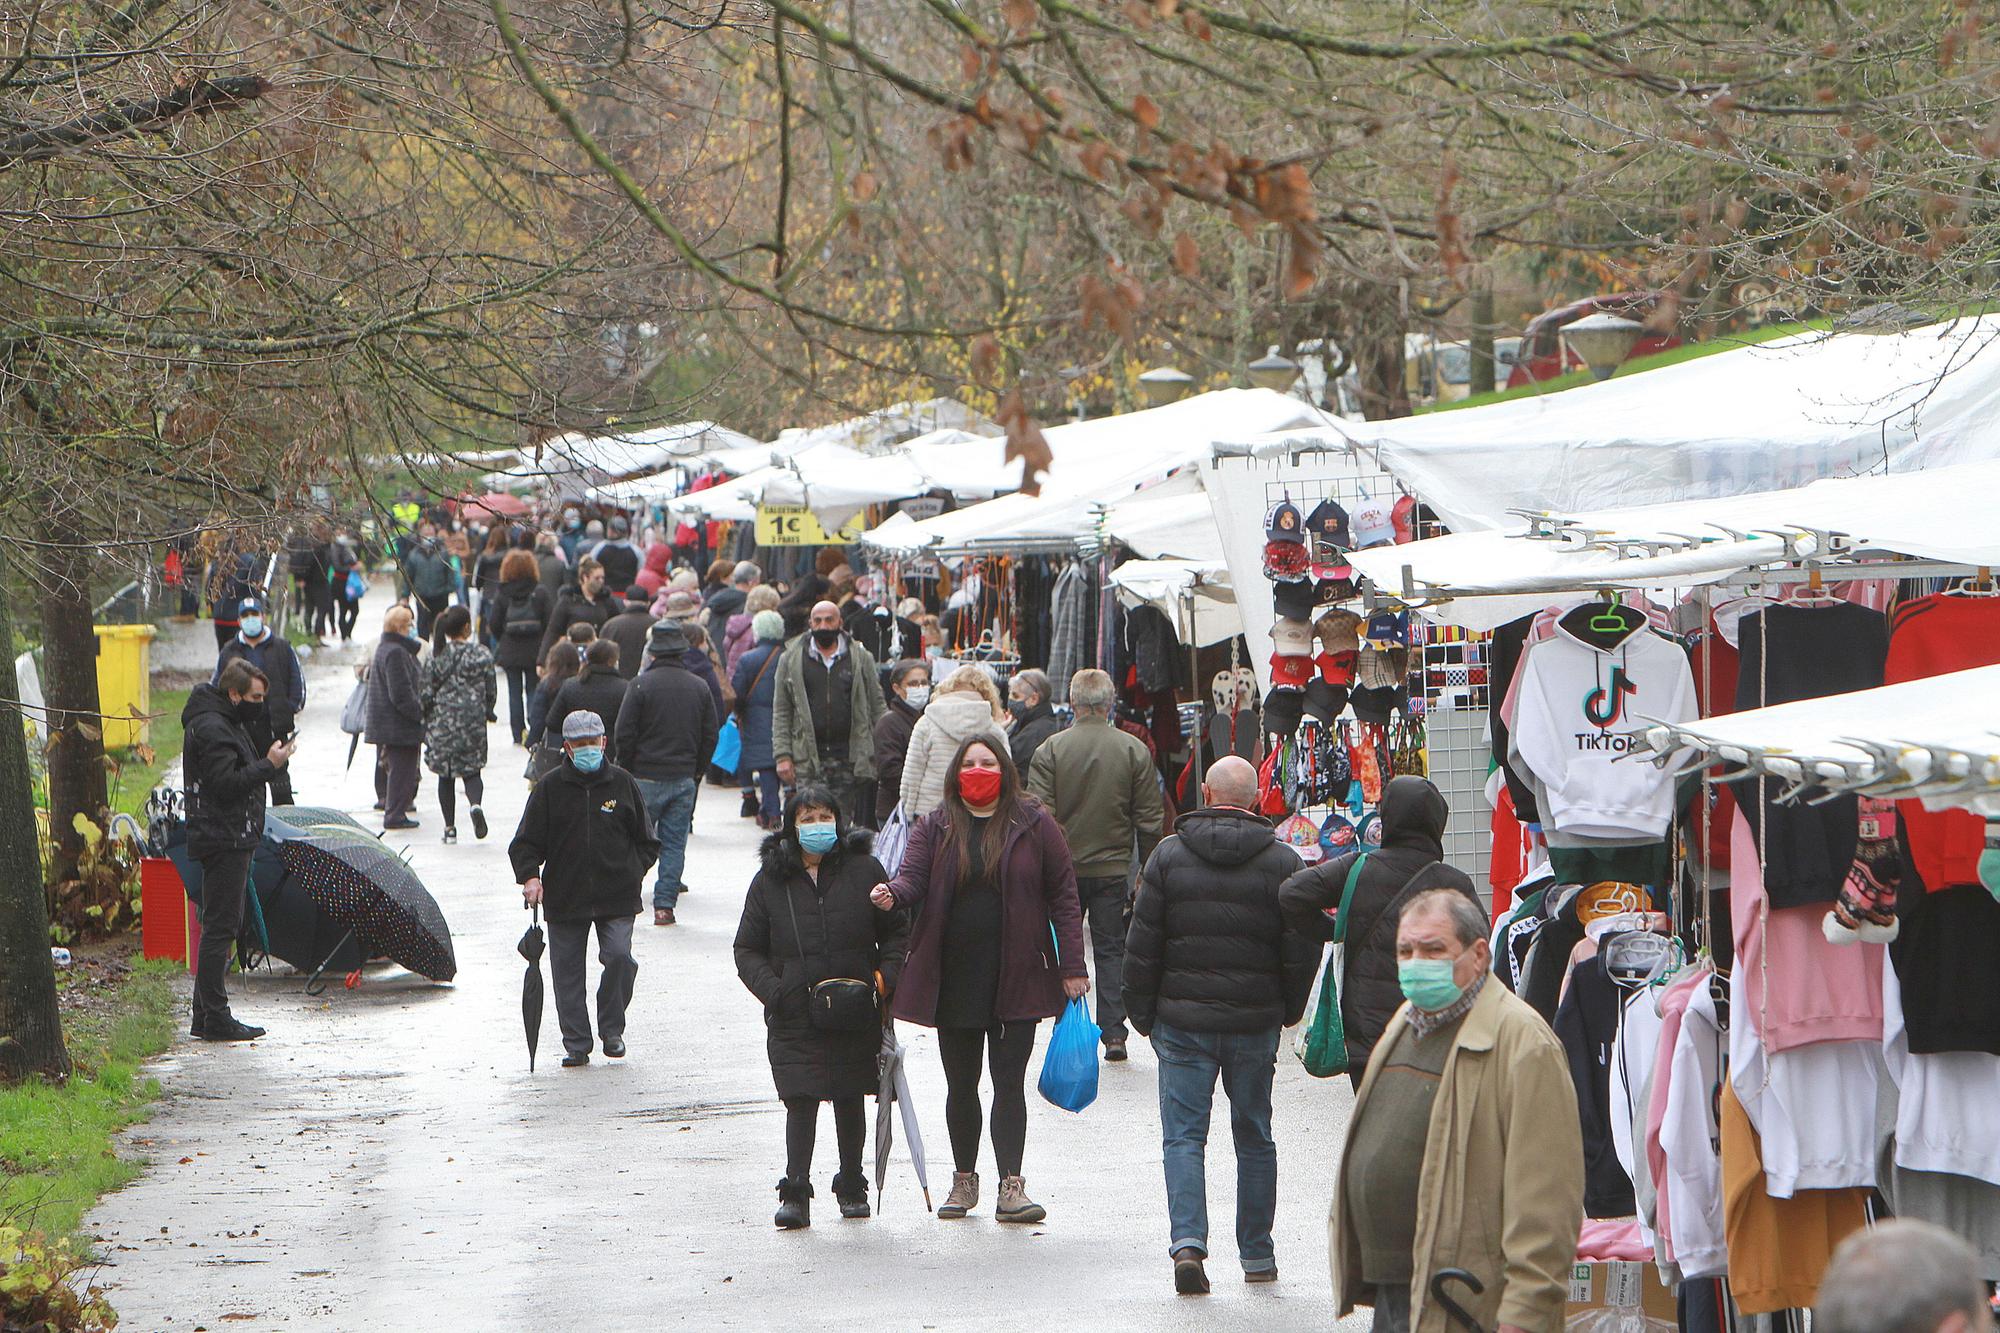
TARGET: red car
(1543,354)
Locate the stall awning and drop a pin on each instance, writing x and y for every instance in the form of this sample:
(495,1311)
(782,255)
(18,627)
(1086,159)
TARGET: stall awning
(594,458)
(1172,520)
(1937,739)
(1178,586)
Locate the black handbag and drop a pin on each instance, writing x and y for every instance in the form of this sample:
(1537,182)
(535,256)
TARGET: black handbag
(837,1004)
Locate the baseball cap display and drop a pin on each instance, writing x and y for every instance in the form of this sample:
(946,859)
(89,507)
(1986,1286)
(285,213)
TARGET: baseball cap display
(1292,599)
(1404,516)
(1284,523)
(1337,631)
(1328,525)
(1302,836)
(1381,668)
(1336,668)
(1285,560)
(1371,523)
(1283,707)
(1291,669)
(1324,700)
(1389,629)
(1336,584)
(1292,636)
(1377,705)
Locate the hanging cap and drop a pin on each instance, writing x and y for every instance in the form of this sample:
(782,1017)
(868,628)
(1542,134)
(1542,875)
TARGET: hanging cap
(1292,637)
(1286,560)
(1284,523)
(1282,710)
(1293,600)
(1372,524)
(1328,525)
(1389,629)
(1324,700)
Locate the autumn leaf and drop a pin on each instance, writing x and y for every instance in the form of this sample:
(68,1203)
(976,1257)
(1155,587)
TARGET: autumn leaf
(1146,112)
(1025,441)
(1020,15)
(1094,158)
(985,356)
(864,187)
(1196,26)
(1187,256)
(1139,14)
(970,62)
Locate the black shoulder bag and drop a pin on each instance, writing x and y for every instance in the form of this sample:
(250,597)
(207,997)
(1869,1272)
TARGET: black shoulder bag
(838,1004)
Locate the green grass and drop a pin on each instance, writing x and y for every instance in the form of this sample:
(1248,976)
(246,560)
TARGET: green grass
(1671,356)
(136,777)
(56,1154)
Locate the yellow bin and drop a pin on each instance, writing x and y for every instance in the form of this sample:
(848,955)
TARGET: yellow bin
(125,683)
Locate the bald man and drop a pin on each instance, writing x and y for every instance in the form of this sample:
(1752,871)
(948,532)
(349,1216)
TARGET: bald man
(1212,973)
(828,697)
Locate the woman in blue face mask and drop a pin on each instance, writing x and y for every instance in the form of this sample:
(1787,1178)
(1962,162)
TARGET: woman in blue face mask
(821,959)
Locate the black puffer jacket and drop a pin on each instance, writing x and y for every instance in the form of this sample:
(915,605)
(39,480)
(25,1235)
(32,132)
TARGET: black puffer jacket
(1208,950)
(666,727)
(573,608)
(224,775)
(395,703)
(844,936)
(519,619)
(1413,819)
(587,836)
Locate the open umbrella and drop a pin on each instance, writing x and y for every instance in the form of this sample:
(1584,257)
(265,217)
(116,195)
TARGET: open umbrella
(295,929)
(530,948)
(493,504)
(895,1087)
(363,885)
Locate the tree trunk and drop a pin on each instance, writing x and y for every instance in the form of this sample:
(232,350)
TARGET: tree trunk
(1378,363)
(1483,369)
(69,684)
(31,1040)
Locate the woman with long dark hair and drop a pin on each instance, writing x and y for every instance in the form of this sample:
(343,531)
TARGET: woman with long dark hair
(515,618)
(807,920)
(597,688)
(486,577)
(565,659)
(997,948)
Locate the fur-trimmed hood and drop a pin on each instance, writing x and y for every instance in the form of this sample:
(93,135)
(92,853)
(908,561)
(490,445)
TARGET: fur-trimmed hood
(780,852)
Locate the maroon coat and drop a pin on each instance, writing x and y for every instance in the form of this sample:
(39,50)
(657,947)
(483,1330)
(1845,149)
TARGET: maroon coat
(1037,889)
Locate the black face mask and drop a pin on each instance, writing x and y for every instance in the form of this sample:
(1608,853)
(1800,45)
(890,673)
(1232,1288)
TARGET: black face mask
(248,711)
(826,638)
(1017,708)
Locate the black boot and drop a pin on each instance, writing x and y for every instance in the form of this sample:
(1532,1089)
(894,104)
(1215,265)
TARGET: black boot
(751,805)
(851,1188)
(794,1204)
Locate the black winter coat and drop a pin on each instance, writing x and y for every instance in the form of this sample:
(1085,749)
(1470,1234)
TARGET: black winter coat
(1208,950)
(666,727)
(1413,819)
(844,936)
(587,836)
(525,605)
(599,692)
(892,747)
(395,705)
(629,630)
(573,608)
(1029,732)
(224,775)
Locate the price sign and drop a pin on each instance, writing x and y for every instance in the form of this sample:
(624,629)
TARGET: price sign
(796,525)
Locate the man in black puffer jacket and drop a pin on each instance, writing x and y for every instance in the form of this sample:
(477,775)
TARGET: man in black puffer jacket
(1212,973)
(1410,860)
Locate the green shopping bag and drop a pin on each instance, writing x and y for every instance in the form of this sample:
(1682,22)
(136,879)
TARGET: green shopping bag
(1324,1050)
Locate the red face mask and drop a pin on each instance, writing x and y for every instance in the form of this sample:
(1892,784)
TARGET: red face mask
(979,786)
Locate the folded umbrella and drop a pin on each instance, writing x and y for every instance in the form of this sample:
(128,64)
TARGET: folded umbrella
(363,885)
(530,948)
(895,1087)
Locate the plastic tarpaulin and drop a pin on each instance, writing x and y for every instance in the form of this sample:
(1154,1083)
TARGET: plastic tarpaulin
(1757,418)
(1933,738)
(1176,585)
(1943,513)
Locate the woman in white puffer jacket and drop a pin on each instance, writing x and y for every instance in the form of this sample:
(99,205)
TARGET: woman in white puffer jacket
(967,704)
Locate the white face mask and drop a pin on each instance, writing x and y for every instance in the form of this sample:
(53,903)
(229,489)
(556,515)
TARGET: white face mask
(916,696)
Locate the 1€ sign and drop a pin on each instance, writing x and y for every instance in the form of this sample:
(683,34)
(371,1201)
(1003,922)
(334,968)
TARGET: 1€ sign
(796,525)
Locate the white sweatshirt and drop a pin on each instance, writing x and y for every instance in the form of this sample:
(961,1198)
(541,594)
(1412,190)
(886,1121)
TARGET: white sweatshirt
(1688,1135)
(1575,714)
(1944,1113)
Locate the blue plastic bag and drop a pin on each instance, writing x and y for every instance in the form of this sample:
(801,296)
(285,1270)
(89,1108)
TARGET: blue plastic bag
(1069,1068)
(728,747)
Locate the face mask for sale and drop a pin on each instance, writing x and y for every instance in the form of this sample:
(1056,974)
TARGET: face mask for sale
(818,838)
(826,638)
(587,758)
(918,696)
(252,626)
(1428,982)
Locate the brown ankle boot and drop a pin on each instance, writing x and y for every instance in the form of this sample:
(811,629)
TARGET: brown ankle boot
(1015,1205)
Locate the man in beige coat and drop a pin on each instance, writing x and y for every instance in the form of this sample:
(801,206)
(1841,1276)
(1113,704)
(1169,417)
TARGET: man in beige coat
(1464,1149)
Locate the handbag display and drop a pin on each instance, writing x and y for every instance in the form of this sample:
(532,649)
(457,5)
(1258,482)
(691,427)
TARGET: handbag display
(837,1004)
(1322,1048)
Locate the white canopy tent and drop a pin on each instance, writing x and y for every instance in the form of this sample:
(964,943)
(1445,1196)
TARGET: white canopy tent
(580,459)
(892,425)
(1937,739)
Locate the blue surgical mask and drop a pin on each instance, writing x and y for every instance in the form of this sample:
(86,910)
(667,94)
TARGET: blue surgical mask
(818,838)
(587,758)
(1428,982)
(252,626)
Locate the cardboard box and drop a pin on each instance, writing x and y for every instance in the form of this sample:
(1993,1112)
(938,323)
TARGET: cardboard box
(1632,1288)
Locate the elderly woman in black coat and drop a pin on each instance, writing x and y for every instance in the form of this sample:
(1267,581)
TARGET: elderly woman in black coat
(808,919)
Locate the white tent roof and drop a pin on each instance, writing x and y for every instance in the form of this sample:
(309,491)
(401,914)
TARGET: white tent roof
(1757,418)
(1171,520)
(1938,739)
(1944,513)
(891,425)
(1096,462)
(1170,584)
(601,457)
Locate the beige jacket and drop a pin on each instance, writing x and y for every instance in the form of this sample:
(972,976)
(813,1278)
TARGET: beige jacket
(1502,1189)
(948,721)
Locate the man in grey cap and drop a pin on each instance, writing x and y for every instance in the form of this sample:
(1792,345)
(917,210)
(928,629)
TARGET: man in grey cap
(666,732)
(582,849)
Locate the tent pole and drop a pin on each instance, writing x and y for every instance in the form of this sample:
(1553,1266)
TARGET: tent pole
(1194,683)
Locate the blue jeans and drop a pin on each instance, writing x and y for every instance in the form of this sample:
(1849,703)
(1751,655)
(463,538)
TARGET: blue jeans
(670,810)
(770,797)
(1189,1062)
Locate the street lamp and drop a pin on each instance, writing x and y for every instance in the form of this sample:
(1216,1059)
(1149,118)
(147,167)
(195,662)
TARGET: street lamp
(1273,371)
(1165,384)
(1603,341)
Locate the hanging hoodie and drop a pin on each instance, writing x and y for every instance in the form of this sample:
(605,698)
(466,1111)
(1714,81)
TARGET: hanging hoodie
(1576,710)
(1929,637)
(1587,1025)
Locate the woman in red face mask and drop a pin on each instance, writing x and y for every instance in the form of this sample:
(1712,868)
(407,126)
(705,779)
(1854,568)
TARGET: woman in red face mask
(998,946)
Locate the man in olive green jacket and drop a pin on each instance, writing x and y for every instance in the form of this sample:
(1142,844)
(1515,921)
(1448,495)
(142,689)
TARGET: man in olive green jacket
(1101,786)
(823,711)
(1497,1160)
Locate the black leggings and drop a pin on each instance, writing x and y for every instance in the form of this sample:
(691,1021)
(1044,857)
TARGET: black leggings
(475,794)
(850,1126)
(349,613)
(1007,1051)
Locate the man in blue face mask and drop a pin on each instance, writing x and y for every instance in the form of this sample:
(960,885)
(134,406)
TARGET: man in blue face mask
(583,847)
(257,643)
(1464,1149)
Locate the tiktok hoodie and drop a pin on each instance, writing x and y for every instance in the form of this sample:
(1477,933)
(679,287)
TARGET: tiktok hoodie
(1576,711)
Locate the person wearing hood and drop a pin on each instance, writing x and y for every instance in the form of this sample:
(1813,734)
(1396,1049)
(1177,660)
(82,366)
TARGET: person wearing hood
(396,718)
(1212,973)
(428,571)
(665,733)
(619,556)
(257,644)
(1409,861)
(756,685)
(587,602)
(806,920)
(728,600)
(965,705)
(225,774)
(823,721)
(653,570)
(1031,708)
(581,852)
(909,691)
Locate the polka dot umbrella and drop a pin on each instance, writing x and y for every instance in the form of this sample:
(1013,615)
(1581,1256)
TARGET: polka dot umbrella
(365,886)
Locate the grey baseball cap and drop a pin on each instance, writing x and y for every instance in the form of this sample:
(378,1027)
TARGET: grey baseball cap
(582,725)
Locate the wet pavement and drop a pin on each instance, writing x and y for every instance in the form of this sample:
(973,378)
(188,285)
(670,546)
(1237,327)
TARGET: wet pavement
(384,1159)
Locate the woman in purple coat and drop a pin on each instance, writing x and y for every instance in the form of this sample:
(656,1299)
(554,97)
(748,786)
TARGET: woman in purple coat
(997,948)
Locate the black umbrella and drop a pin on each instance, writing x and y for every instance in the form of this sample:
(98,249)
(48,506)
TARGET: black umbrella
(363,885)
(295,930)
(530,948)
(313,816)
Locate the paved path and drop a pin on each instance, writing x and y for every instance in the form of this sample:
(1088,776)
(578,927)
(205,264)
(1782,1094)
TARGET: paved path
(384,1159)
